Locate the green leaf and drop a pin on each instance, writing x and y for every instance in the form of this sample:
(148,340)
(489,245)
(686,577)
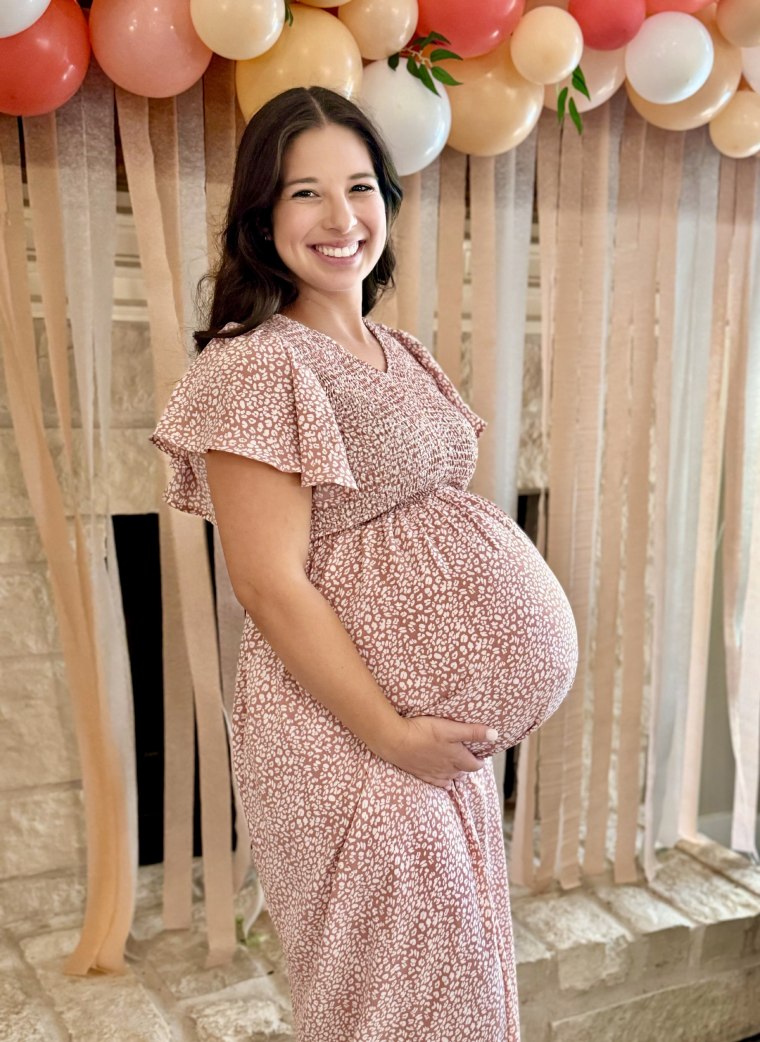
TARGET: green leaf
(561,102)
(393,60)
(413,67)
(427,79)
(441,55)
(288,13)
(575,116)
(445,77)
(579,82)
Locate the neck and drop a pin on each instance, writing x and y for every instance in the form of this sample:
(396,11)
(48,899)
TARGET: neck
(340,318)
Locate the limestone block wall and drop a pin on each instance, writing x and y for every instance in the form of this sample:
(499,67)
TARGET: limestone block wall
(41,813)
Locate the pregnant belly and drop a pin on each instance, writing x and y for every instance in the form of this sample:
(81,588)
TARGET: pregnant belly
(455,613)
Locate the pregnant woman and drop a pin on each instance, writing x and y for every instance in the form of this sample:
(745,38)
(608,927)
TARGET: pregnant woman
(399,630)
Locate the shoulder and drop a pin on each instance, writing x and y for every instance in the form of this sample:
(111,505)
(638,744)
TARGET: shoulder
(267,349)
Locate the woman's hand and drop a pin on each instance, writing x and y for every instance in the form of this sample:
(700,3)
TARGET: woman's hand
(430,747)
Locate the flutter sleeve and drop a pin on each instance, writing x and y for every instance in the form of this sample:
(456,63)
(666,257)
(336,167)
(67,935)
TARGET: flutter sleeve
(248,395)
(418,350)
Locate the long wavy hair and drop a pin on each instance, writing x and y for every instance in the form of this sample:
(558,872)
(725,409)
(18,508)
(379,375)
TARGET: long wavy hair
(250,283)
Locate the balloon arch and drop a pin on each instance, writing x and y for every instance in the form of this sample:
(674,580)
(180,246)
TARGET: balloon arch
(431,72)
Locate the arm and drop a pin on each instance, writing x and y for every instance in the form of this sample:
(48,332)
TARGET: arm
(264,516)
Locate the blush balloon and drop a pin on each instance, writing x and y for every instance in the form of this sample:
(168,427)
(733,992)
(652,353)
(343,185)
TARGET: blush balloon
(148,48)
(607,26)
(470,28)
(43,66)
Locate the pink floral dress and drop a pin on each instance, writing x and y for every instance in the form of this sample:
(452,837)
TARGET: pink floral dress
(389,895)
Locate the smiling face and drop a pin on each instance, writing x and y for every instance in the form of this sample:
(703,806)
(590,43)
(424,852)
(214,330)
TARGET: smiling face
(328,221)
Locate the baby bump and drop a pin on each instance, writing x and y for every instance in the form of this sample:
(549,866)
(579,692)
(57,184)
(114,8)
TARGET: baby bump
(455,613)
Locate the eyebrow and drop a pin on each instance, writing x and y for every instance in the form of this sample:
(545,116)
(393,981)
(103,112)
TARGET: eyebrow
(314,180)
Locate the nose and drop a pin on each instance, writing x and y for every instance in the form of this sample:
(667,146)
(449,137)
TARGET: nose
(340,216)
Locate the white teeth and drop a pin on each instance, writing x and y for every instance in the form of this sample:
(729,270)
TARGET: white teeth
(344,251)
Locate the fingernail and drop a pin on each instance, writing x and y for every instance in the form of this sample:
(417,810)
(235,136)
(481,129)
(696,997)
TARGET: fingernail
(491,734)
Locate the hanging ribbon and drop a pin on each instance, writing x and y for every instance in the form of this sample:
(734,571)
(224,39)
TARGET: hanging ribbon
(187,533)
(741,535)
(103,934)
(636,532)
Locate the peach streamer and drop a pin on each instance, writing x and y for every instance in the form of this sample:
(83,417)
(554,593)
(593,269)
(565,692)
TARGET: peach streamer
(741,535)
(187,534)
(636,535)
(103,935)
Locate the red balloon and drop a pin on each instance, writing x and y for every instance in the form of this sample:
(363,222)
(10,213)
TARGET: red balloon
(43,66)
(607,26)
(684,6)
(470,28)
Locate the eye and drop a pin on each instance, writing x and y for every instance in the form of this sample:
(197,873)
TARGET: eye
(364,188)
(302,192)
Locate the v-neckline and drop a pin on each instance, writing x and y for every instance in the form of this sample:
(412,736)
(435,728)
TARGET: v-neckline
(373,329)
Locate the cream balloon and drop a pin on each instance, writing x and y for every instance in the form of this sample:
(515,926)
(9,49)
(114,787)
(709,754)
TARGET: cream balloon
(414,122)
(739,21)
(716,93)
(380,27)
(546,45)
(669,58)
(316,50)
(494,111)
(238,29)
(324,3)
(18,15)
(751,66)
(735,131)
(604,72)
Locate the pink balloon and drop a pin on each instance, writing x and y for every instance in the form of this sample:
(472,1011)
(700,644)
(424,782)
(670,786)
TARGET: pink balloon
(147,47)
(44,65)
(605,25)
(685,6)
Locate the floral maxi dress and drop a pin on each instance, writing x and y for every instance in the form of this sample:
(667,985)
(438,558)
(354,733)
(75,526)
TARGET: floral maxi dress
(389,895)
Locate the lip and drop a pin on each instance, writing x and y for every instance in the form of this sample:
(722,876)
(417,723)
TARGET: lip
(337,245)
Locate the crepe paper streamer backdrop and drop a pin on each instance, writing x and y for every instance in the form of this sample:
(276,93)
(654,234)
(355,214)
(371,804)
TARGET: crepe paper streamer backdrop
(106,817)
(186,533)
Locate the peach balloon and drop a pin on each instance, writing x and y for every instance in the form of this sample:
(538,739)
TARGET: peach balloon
(494,111)
(148,48)
(703,106)
(546,45)
(316,50)
(238,29)
(380,27)
(739,21)
(604,72)
(735,131)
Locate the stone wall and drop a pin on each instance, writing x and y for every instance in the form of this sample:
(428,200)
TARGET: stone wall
(41,812)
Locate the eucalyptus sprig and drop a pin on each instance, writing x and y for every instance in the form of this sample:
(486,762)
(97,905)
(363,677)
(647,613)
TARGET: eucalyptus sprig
(578,83)
(423,65)
(288,13)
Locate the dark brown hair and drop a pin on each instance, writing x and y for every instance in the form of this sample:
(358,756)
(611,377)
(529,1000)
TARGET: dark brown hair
(251,283)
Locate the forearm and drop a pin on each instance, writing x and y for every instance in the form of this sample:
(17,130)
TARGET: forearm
(310,640)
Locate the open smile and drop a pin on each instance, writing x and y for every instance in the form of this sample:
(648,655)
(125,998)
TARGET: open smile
(339,254)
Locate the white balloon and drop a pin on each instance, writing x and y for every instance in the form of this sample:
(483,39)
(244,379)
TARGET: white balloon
(17,15)
(414,122)
(751,66)
(669,58)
